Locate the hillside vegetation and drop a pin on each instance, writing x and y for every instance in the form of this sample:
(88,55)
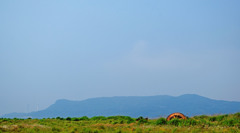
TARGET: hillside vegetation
(217,123)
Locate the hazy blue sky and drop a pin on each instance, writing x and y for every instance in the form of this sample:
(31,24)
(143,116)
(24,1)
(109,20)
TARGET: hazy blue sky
(73,49)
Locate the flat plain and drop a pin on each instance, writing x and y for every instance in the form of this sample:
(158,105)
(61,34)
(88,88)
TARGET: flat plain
(123,124)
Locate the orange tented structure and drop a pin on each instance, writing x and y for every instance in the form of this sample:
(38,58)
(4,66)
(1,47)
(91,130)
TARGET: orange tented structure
(176,115)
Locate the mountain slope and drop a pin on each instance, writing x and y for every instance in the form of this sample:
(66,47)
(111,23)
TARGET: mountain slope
(135,106)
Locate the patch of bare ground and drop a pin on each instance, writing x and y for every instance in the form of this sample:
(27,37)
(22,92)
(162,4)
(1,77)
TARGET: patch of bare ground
(15,128)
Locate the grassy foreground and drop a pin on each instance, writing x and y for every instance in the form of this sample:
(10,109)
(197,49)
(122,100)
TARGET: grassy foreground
(120,124)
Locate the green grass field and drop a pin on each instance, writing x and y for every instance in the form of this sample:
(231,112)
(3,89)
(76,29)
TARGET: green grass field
(120,124)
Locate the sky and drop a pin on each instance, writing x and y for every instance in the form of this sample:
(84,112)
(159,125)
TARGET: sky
(81,49)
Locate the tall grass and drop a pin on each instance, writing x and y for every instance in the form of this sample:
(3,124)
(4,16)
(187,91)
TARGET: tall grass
(100,124)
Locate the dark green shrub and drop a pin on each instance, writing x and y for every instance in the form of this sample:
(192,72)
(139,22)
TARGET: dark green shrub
(130,120)
(76,119)
(68,118)
(84,118)
(139,118)
(127,118)
(6,119)
(121,122)
(175,122)
(213,118)
(142,121)
(113,117)
(203,121)
(59,118)
(220,117)
(16,119)
(115,122)
(189,122)
(98,118)
(161,121)
(228,122)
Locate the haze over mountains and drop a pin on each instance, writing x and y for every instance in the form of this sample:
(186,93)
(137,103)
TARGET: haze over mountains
(79,49)
(135,106)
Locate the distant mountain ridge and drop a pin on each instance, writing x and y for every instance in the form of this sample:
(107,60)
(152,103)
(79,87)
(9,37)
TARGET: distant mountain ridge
(134,106)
